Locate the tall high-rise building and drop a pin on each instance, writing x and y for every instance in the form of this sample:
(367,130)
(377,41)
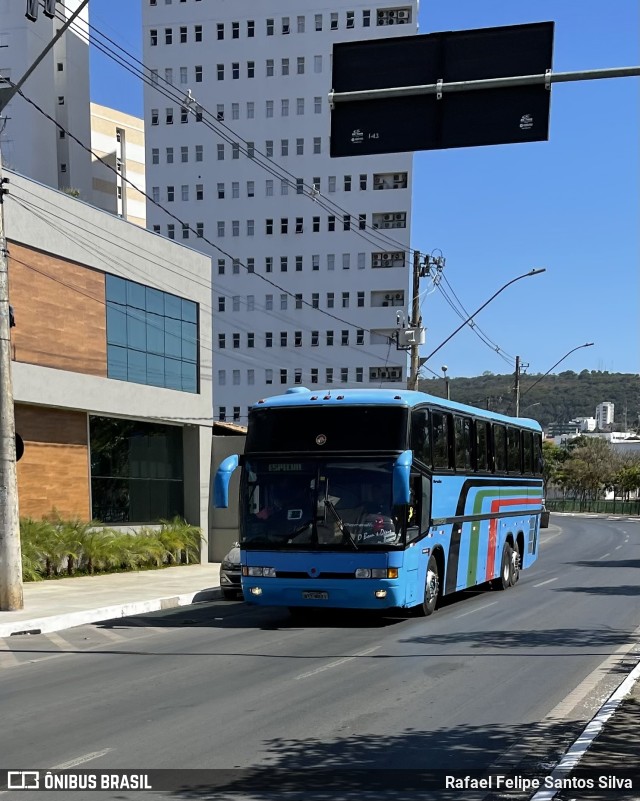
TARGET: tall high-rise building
(118,175)
(604,415)
(310,254)
(59,85)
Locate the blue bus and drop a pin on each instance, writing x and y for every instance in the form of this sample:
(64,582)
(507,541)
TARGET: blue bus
(378,499)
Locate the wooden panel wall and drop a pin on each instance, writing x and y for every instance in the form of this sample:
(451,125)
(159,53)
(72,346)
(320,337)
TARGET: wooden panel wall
(60,312)
(54,471)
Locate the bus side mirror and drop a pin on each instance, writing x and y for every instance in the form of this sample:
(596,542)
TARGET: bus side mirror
(401,473)
(222,479)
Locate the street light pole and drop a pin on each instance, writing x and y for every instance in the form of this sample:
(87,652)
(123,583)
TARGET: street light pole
(446,381)
(477,311)
(566,355)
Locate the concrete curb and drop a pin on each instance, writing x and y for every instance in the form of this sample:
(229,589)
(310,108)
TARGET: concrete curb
(67,620)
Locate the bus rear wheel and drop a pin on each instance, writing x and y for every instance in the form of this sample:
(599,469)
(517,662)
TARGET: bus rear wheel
(431,590)
(505,579)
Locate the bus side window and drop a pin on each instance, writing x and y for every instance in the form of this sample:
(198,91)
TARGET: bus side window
(462,435)
(440,440)
(537,450)
(418,509)
(499,448)
(527,451)
(514,462)
(421,436)
(481,450)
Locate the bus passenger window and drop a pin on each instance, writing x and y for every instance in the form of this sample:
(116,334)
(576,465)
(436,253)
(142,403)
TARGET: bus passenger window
(513,450)
(500,448)
(462,432)
(482,451)
(420,436)
(440,440)
(527,451)
(537,451)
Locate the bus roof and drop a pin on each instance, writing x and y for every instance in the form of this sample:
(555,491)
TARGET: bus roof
(301,396)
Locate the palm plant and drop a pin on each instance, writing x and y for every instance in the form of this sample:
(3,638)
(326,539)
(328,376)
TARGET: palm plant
(181,540)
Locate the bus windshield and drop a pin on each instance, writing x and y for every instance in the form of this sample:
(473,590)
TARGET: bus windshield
(311,504)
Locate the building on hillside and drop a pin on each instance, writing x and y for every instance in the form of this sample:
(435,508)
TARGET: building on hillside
(572,428)
(586,423)
(604,415)
(111,349)
(310,254)
(31,144)
(118,139)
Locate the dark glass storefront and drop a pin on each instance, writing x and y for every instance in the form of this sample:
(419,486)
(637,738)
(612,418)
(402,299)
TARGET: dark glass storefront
(136,471)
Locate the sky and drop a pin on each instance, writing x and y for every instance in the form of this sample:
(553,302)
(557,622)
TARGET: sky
(569,205)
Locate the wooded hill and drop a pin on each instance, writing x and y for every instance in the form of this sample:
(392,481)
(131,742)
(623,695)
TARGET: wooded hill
(557,398)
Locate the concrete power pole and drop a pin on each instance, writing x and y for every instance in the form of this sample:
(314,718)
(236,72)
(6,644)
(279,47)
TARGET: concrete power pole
(516,386)
(416,323)
(11,598)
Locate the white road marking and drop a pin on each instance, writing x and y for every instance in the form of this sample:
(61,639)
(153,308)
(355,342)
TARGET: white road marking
(477,609)
(548,539)
(72,763)
(338,663)
(63,644)
(548,581)
(618,547)
(604,556)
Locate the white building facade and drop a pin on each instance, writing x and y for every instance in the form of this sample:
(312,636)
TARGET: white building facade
(604,414)
(310,254)
(31,144)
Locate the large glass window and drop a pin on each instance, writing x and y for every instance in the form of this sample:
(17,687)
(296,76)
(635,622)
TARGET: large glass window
(152,336)
(513,450)
(500,448)
(136,471)
(440,440)
(462,440)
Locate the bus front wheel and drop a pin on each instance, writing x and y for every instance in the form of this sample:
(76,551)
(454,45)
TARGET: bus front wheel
(431,590)
(505,579)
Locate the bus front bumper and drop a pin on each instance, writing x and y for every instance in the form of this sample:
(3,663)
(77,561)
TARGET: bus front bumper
(332,594)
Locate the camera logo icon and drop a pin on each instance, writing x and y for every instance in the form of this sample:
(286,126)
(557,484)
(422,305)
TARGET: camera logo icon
(23,779)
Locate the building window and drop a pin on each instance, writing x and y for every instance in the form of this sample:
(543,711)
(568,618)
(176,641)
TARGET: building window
(284,264)
(199,191)
(284,225)
(169,155)
(220,72)
(251,28)
(361,299)
(284,107)
(317,144)
(300,24)
(283,376)
(268,376)
(300,65)
(350,19)
(184,192)
(345,300)
(299,147)
(152,336)
(235,70)
(268,187)
(270,27)
(366,18)
(251,110)
(220,228)
(155,155)
(329,336)
(318,22)
(315,225)
(185,230)
(334,21)
(331,223)
(268,266)
(183,34)
(317,105)
(200,230)
(270,68)
(300,106)
(345,337)
(315,262)
(168,36)
(286,27)
(298,301)
(269,108)
(235,30)
(315,299)
(153,39)
(268,339)
(170,194)
(220,30)
(331,261)
(197,31)
(268,146)
(284,151)
(314,375)
(199,153)
(236,341)
(184,154)
(198,74)
(235,189)
(299,225)
(268,228)
(136,471)
(284,66)
(330,300)
(251,69)
(283,339)
(315,339)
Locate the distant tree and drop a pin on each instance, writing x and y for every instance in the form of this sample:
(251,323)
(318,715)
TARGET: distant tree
(590,468)
(553,457)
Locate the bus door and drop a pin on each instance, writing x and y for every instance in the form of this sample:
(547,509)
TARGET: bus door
(417,524)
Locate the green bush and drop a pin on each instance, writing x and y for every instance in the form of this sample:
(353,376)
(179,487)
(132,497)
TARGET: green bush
(52,547)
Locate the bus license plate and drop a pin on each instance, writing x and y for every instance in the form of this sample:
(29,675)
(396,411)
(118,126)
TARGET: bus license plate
(315,595)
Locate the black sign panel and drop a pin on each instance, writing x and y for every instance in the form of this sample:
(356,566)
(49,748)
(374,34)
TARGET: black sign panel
(458,119)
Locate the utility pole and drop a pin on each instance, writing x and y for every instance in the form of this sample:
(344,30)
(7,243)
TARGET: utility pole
(415,323)
(11,595)
(11,598)
(516,386)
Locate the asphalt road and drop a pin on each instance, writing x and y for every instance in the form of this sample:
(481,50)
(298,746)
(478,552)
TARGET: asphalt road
(501,679)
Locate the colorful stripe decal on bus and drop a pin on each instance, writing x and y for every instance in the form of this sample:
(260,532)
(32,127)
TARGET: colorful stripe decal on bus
(491,487)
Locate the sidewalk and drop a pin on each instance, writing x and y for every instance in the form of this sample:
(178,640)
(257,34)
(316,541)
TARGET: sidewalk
(60,604)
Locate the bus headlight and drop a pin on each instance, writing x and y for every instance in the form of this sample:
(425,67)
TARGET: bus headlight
(377,572)
(261,572)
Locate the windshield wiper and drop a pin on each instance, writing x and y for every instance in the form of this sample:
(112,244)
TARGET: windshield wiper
(346,534)
(299,530)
